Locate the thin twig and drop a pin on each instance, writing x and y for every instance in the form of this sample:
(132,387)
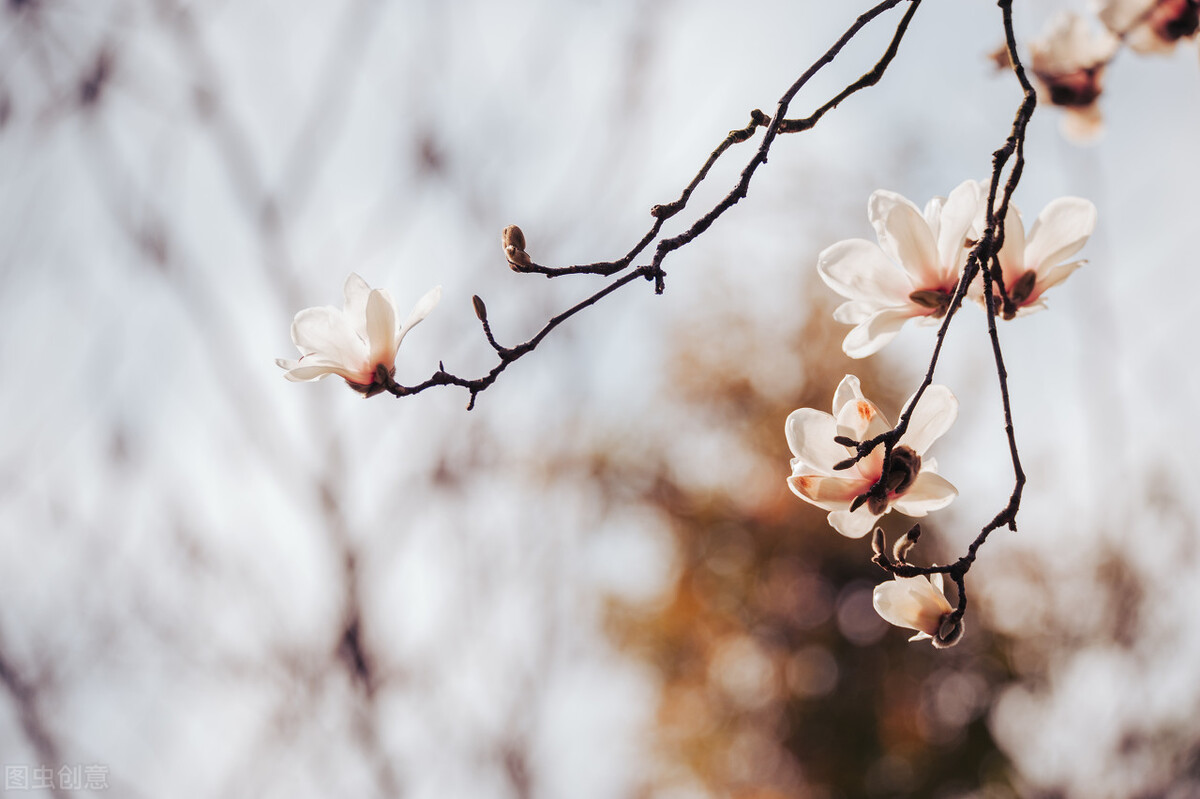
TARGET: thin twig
(519,260)
(984,253)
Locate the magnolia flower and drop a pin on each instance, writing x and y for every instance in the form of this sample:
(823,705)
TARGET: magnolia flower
(1032,264)
(929,250)
(912,485)
(1150,26)
(919,604)
(358,342)
(1068,62)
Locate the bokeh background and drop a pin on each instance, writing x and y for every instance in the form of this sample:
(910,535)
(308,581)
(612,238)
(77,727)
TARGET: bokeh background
(595,584)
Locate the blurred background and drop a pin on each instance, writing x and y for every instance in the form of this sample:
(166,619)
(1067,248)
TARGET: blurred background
(596,584)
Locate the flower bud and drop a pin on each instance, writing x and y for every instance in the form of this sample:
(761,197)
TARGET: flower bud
(512,237)
(951,631)
(905,543)
(480,308)
(878,542)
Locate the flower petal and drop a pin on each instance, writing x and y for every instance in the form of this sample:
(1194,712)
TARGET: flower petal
(1061,229)
(355,290)
(875,332)
(314,371)
(1053,276)
(849,390)
(905,236)
(810,435)
(861,420)
(422,309)
(929,492)
(1012,253)
(854,312)
(911,602)
(858,270)
(853,525)
(932,417)
(327,332)
(1084,125)
(830,493)
(958,216)
(381,329)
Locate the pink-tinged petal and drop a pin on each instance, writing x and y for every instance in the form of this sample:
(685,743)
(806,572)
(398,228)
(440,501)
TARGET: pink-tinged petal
(849,390)
(326,331)
(810,436)
(858,270)
(1143,39)
(957,218)
(1012,254)
(1061,230)
(1121,15)
(1051,278)
(905,236)
(929,492)
(861,419)
(830,493)
(422,309)
(356,291)
(381,330)
(315,371)
(932,417)
(874,333)
(853,525)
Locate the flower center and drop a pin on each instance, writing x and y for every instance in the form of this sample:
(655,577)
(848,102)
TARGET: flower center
(1175,19)
(379,382)
(901,472)
(1077,89)
(937,300)
(1020,292)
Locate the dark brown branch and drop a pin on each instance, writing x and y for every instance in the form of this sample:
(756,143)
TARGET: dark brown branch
(984,253)
(513,240)
(661,213)
(510,354)
(743,185)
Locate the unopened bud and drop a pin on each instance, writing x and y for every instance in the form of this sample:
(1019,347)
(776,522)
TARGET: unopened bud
(845,441)
(480,308)
(517,257)
(843,465)
(951,631)
(905,543)
(878,542)
(512,237)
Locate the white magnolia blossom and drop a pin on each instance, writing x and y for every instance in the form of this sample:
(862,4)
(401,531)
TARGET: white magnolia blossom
(911,273)
(1031,264)
(920,604)
(355,341)
(1068,62)
(913,485)
(1150,26)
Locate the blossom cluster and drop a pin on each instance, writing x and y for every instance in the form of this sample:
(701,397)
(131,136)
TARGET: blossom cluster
(1070,57)
(852,462)
(914,270)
